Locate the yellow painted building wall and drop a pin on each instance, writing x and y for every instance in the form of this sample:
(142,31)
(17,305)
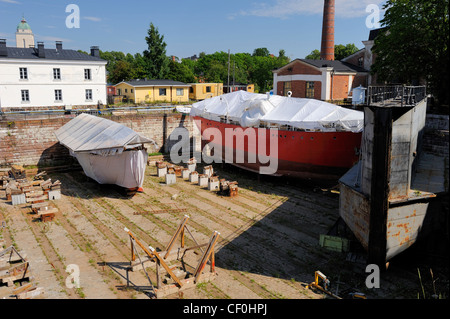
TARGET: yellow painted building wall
(199,91)
(125,89)
(152,93)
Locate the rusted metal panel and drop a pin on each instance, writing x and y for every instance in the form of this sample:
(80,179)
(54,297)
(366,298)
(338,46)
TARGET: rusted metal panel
(354,209)
(403,227)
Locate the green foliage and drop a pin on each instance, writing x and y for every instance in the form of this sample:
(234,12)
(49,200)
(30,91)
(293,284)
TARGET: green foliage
(314,55)
(180,72)
(414,45)
(264,52)
(157,62)
(340,51)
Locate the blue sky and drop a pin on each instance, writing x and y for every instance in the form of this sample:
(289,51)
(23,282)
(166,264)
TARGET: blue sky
(189,26)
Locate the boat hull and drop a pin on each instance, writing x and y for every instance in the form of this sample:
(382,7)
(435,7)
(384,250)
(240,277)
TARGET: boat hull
(304,155)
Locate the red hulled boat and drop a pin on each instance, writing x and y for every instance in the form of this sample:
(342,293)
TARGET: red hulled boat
(274,135)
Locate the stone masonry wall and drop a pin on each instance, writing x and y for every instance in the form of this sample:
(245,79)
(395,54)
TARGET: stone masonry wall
(436,136)
(33,143)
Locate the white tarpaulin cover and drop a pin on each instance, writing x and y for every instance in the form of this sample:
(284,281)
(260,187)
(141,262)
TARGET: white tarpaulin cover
(106,150)
(249,109)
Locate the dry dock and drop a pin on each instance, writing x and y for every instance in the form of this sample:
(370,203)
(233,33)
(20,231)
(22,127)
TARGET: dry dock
(268,247)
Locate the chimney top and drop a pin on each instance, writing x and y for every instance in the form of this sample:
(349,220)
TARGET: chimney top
(3,49)
(95,51)
(41,50)
(59,45)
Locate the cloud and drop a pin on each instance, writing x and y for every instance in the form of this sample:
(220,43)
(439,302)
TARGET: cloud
(94,19)
(284,9)
(10,1)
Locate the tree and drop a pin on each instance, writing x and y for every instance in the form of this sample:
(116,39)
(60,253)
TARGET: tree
(413,45)
(264,52)
(180,72)
(314,55)
(340,51)
(122,71)
(139,67)
(155,57)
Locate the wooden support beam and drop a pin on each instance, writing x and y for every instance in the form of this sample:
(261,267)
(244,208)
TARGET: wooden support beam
(206,256)
(145,249)
(152,253)
(169,271)
(180,231)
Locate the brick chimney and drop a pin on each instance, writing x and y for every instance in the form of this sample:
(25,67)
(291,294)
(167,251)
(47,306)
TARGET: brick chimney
(327,51)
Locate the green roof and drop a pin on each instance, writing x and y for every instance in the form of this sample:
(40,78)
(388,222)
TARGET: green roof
(23,25)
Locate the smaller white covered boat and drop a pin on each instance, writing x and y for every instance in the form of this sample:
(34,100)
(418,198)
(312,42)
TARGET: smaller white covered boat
(109,152)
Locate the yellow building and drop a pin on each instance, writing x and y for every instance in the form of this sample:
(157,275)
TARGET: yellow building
(203,91)
(150,91)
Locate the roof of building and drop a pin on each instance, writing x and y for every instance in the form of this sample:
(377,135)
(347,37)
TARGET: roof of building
(50,54)
(338,66)
(23,25)
(374,33)
(154,83)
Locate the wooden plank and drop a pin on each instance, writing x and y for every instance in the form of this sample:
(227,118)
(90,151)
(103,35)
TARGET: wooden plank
(176,235)
(33,293)
(206,256)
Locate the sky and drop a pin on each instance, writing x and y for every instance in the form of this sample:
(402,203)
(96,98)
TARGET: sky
(189,26)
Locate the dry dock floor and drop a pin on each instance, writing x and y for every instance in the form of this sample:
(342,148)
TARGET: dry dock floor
(268,246)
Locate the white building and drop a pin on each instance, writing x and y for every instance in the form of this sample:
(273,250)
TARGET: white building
(55,78)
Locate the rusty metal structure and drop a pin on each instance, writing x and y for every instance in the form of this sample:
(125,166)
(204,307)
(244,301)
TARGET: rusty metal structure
(384,199)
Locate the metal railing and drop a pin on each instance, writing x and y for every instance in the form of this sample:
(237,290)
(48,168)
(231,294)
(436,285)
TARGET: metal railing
(401,95)
(94,111)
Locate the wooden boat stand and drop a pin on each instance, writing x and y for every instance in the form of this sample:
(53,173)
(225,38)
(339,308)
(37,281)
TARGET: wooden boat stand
(178,279)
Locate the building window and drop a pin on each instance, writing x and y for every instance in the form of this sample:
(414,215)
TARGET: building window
(58,95)
(180,92)
(361,61)
(87,74)
(56,74)
(132,91)
(88,95)
(309,90)
(287,88)
(191,90)
(126,90)
(162,92)
(208,89)
(23,73)
(25,96)
(119,91)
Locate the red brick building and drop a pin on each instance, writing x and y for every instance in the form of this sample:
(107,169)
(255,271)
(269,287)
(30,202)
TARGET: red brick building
(111,90)
(325,80)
